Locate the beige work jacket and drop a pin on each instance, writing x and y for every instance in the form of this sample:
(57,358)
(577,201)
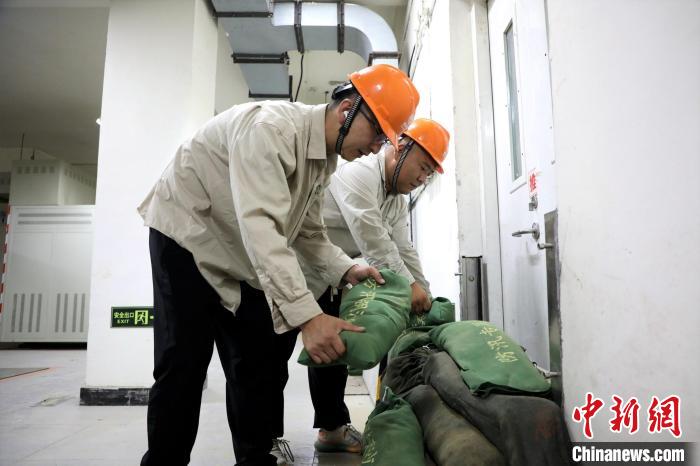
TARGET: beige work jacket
(244,196)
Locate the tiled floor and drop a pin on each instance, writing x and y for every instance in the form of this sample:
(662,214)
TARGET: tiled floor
(42,424)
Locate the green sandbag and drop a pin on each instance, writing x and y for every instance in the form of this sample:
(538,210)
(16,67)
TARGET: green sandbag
(489,359)
(382,310)
(410,339)
(392,434)
(416,335)
(441,312)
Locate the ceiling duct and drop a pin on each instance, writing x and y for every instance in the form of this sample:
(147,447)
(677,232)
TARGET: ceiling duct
(261,33)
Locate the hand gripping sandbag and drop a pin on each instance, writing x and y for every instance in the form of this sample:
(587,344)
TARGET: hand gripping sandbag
(442,311)
(392,434)
(416,335)
(449,438)
(489,359)
(382,310)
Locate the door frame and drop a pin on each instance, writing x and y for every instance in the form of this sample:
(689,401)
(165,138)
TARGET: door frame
(476,153)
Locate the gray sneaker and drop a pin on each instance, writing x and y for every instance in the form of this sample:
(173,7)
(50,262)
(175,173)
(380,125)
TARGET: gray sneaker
(343,439)
(282,451)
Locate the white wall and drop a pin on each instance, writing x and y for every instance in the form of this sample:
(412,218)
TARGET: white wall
(458,213)
(473,139)
(204,57)
(435,220)
(626,107)
(231,87)
(158,88)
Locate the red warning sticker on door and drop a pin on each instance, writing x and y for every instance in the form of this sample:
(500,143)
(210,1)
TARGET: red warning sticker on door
(532,182)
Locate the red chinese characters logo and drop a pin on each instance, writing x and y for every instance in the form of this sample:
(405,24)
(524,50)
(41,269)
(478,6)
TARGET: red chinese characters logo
(627,416)
(662,414)
(665,414)
(585,413)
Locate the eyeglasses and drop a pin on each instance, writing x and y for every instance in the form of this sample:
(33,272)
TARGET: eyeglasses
(429,174)
(428,169)
(380,137)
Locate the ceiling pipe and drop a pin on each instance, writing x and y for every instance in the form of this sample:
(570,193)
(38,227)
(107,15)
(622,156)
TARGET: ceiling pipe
(262,31)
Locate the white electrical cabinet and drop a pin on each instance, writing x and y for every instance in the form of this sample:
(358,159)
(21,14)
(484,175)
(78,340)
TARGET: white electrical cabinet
(49,182)
(46,278)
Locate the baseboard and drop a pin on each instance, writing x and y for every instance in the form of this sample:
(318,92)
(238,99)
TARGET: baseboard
(118,396)
(101,396)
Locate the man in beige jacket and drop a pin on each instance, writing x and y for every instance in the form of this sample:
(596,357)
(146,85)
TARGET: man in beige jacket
(227,219)
(366,214)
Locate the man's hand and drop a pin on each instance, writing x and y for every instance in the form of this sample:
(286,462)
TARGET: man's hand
(321,340)
(420,302)
(357,273)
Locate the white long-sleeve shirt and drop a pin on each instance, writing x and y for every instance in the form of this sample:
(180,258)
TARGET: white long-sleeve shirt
(363,220)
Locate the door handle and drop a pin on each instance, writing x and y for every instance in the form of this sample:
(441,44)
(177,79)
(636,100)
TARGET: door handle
(534,231)
(547,374)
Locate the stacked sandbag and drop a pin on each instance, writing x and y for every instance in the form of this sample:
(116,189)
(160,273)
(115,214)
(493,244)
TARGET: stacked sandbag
(409,340)
(527,430)
(406,371)
(449,437)
(383,310)
(392,435)
(483,380)
(489,359)
(442,311)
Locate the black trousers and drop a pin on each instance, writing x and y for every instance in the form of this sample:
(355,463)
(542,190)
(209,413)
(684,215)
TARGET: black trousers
(327,384)
(189,319)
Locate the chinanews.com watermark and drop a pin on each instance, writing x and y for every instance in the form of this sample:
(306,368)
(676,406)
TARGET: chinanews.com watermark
(615,453)
(627,417)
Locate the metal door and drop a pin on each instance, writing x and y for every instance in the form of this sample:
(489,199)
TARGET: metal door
(524,164)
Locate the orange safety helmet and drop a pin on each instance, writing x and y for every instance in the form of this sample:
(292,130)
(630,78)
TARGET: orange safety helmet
(432,137)
(390,95)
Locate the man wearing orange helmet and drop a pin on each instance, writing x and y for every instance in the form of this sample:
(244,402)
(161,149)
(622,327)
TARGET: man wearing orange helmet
(366,214)
(228,218)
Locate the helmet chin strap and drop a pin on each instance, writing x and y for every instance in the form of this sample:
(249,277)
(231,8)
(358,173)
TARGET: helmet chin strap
(343,131)
(399,164)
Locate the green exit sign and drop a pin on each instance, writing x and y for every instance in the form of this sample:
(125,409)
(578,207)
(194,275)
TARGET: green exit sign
(132,317)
